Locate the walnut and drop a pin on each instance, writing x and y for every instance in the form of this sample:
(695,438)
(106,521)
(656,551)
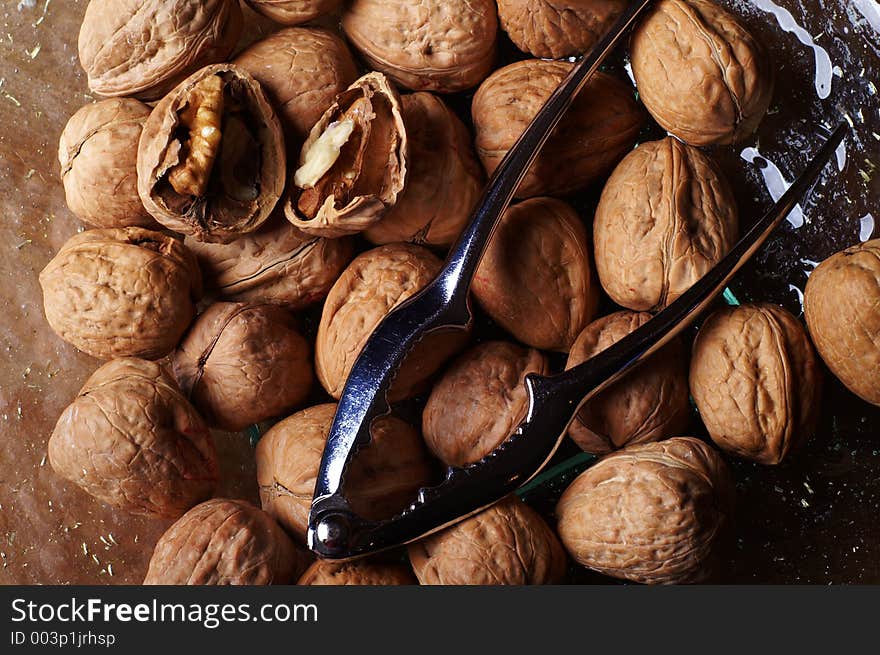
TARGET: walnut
(842,308)
(506,544)
(701,75)
(211,161)
(294,12)
(240,364)
(131,439)
(224,542)
(599,128)
(121,292)
(665,218)
(479,401)
(652,513)
(649,404)
(98,157)
(145,48)
(538,266)
(384,477)
(425,45)
(357,573)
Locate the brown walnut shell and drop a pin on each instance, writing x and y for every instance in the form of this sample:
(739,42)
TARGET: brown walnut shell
(144,48)
(536,279)
(701,75)
(652,513)
(361,573)
(665,218)
(506,544)
(121,292)
(599,128)
(842,307)
(248,174)
(224,542)
(240,364)
(132,440)
(649,404)
(443,46)
(294,12)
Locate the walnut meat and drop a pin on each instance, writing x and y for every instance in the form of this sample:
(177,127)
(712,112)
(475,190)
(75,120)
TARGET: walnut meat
(842,307)
(224,542)
(652,513)
(598,129)
(536,278)
(384,477)
(294,12)
(665,218)
(144,48)
(425,45)
(241,364)
(360,573)
(649,404)
(211,159)
(121,292)
(506,544)
(131,439)
(701,75)
(98,157)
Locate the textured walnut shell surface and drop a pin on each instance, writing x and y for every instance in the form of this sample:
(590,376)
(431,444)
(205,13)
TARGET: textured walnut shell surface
(425,45)
(326,573)
(598,129)
(652,513)
(98,157)
(444,181)
(293,12)
(665,218)
(131,439)
(144,48)
(536,279)
(218,216)
(506,544)
(701,75)
(842,308)
(224,542)
(479,401)
(649,404)
(242,363)
(121,292)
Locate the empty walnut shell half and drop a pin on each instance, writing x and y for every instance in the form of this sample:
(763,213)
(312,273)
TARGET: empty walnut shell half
(121,292)
(132,440)
(211,160)
(353,165)
(294,12)
(649,404)
(700,73)
(599,128)
(665,218)
(144,48)
(241,364)
(652,513)
(360,572)
(225,542)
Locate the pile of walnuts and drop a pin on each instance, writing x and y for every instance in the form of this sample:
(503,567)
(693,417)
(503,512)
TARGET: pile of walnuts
(228,190)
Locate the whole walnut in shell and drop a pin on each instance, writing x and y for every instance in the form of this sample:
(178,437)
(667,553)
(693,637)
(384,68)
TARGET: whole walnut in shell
(756,382)
(842,308)
(425,45)
(598,129)
(700,73)
(665,218)
(98,157)
(384,477)
(144,48)
(293,12)
(536,279)
(241,364)
(648,404)
(211,159)
(652,513)
(360,572)
(224,542)
(121,292)
(132,440)
(506,544)
(479,401)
